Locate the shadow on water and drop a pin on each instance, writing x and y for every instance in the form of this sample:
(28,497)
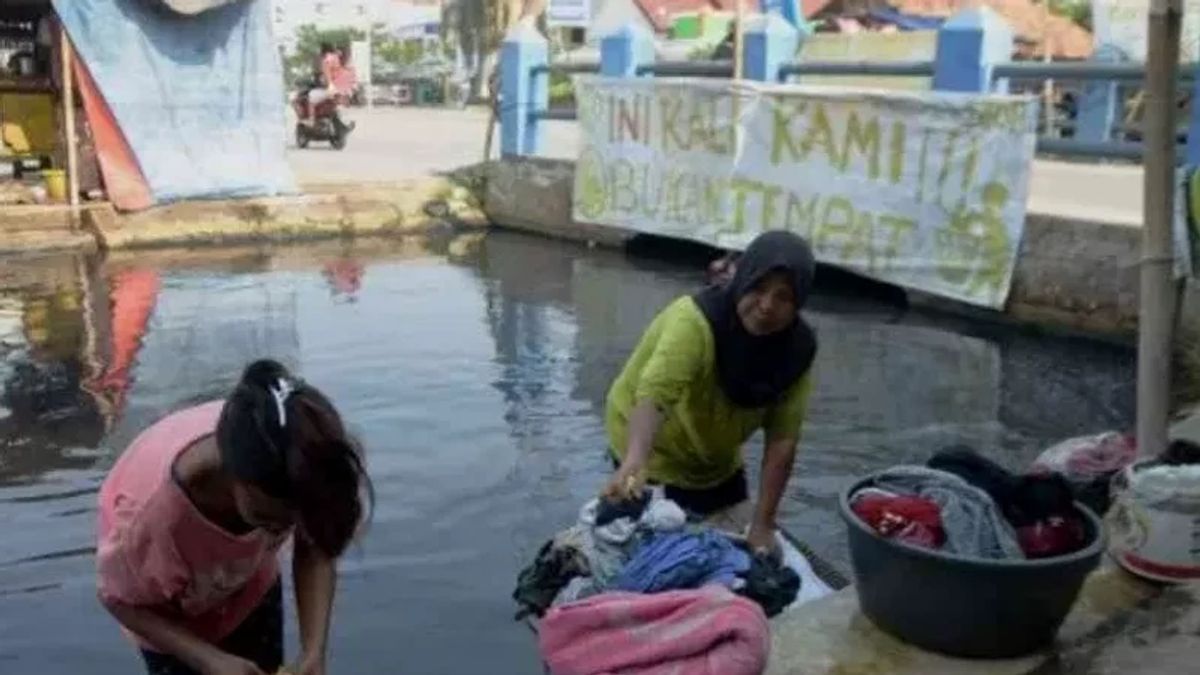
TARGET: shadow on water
(475,370)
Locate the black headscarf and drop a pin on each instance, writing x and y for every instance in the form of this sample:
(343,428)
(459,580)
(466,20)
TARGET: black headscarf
(756,371)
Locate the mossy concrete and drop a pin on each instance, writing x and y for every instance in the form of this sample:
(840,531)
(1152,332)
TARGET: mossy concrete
(323,212)
(1114,614)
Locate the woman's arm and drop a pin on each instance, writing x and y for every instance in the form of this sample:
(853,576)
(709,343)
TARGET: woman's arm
(779,456)
(644,422)
(170,637)
(783,429)
(316,580)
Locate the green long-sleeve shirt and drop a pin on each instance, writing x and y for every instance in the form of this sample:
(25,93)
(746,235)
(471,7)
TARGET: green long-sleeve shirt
(699,444)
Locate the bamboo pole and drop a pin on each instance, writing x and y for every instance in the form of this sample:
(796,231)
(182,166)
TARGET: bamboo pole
(1157,303)
(68,102)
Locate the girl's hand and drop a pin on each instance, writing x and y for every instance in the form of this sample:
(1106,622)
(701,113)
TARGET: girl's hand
(228,664)
(308,666)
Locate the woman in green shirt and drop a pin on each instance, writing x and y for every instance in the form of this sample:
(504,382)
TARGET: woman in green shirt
(710,371)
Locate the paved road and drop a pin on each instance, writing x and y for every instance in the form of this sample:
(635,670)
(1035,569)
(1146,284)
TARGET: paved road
(397,143)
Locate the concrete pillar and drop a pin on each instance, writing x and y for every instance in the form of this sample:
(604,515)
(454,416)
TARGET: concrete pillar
(769,42)
(788,9)
(625,50)
(1192,153)
(968,45)
(522,92)
(1099,104)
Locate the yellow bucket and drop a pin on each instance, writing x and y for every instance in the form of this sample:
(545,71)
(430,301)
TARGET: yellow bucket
(56,184)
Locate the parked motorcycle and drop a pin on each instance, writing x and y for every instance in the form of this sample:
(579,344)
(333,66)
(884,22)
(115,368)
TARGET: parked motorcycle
(326,125)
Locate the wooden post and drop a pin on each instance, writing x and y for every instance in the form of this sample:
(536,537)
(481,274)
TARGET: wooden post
(68,102)
(1155,321)
(739,44)
(1048,85)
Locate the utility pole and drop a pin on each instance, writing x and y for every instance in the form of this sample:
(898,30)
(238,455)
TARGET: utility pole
(1157,304)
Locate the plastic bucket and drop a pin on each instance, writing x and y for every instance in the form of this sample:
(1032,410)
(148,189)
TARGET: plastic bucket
(1154,526)
(962,606)
(56,184)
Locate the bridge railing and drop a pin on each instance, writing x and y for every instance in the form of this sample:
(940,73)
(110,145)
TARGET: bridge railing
(973,55)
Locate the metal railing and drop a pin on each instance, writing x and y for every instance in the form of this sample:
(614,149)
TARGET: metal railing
(1082,71)
(897,69)
(688,69)
(566,68)
(1087,72)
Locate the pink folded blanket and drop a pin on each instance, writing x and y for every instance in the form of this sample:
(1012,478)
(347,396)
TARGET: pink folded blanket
(709,631)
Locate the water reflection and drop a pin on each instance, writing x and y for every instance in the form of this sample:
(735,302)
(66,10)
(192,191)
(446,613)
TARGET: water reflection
(475,369)
(46,411)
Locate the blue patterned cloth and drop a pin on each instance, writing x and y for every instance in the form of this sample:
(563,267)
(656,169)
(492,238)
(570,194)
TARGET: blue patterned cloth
(682,560)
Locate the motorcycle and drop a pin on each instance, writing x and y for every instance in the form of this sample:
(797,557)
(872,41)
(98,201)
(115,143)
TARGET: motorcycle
(326,124)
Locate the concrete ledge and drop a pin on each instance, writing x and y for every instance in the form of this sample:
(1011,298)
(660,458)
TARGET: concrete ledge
(325,212)
(831,636)
(1071,274)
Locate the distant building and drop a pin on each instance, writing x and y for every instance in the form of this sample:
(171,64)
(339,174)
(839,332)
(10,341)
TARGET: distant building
(403,18)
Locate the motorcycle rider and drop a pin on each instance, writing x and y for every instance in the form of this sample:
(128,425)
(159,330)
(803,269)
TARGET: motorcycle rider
(325,81)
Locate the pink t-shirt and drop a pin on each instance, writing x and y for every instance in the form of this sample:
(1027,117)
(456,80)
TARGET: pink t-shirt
(156,550)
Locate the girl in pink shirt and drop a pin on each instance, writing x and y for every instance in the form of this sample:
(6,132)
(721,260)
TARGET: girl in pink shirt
(193,515)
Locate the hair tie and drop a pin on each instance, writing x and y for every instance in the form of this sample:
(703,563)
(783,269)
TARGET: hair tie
(281,391)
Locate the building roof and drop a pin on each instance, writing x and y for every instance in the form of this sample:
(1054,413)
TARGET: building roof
(1034,29)
(661,13)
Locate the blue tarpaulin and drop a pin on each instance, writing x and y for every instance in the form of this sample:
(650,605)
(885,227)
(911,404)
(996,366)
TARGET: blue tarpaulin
(200,99)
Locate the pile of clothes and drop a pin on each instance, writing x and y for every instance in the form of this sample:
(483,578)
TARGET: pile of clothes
(642,560)
(965,504)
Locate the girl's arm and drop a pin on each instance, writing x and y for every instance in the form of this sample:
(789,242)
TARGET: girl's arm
(316,581)
(199,655)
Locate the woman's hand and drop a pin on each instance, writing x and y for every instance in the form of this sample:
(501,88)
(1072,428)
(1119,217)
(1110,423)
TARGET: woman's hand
(228,664)
(627,483)
(761,539)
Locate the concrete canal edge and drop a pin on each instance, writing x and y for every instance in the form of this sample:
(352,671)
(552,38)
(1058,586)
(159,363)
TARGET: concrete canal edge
(323,212)
(1072,274)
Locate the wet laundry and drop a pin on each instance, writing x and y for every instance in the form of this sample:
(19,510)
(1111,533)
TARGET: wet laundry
(1023,499)
(971,520)
(912,520)
(597,553)
(769,583)
(607,510)
(709,631)
(1180,452)
(540,582)
(1088,463)
(577,589)
(1040,507)
(683,560)
(1052,537)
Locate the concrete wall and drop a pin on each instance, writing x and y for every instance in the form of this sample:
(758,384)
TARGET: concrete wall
(1071,274)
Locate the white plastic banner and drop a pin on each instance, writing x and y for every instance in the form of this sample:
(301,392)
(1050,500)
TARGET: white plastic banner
(924,190)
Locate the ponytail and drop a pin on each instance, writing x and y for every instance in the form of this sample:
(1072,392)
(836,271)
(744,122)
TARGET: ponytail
(284,437)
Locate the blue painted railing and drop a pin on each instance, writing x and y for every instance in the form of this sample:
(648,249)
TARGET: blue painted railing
(973,54)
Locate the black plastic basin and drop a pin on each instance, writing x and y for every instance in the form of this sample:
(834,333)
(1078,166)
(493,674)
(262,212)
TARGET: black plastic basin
(964,606)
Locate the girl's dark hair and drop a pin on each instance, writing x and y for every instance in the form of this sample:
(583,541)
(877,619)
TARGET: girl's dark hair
(285,438)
